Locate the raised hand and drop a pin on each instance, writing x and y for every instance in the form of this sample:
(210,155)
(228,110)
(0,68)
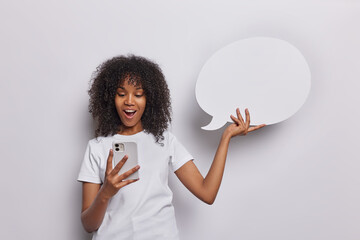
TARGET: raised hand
(241,127)
(113,181)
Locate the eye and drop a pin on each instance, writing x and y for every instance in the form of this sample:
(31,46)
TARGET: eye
(121,94)
(139,94)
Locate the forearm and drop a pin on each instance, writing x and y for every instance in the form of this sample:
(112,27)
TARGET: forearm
(207,188)
(92,217)
(212,181)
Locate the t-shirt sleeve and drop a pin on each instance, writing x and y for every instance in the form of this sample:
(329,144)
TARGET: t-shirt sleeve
(90,167)
(179,155)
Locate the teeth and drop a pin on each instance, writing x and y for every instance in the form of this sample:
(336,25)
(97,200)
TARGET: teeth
(130,111)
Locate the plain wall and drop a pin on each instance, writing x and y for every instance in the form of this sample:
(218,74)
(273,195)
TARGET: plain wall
(297,180)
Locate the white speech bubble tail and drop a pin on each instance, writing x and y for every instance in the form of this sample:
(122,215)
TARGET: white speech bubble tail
(214,124)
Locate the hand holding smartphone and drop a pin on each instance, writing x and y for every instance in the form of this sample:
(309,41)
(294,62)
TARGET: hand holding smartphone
(120,149)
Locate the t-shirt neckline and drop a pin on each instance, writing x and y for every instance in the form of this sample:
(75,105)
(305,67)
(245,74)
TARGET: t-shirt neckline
(129,136)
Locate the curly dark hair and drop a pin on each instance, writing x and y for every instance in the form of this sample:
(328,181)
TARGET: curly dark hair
(137,70)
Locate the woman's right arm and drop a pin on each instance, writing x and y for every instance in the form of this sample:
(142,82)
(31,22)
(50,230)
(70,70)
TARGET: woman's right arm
(94,205)
(96,197)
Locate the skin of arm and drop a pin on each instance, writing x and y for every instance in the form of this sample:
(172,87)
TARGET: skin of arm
(207,188)
(93,207)
(96,196)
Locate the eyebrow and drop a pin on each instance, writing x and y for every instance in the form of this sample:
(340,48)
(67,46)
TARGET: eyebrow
(136,88)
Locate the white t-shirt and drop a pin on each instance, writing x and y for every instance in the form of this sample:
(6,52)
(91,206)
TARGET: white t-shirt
(141,210)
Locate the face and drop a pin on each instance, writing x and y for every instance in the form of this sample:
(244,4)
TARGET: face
(130,102)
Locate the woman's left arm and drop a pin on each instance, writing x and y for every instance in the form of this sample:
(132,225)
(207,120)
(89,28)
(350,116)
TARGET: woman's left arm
(207,188)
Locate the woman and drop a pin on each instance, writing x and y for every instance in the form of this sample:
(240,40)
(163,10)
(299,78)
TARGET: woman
(130,100)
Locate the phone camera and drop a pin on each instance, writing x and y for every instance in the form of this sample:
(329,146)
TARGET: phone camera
(116,145)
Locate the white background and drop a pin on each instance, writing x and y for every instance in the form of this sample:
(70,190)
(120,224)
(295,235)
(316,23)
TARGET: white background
(298,179)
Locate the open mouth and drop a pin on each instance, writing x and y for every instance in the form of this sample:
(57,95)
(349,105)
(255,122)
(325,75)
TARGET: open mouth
(129,113)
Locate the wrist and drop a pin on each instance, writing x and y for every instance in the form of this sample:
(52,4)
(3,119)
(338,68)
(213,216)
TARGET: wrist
(103,196)
(226,136)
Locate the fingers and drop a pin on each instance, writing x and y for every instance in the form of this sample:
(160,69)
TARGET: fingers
(126,182)
(236,120)
(246,125)
(256,127)
(128,173)
(239,115)
(119,165)
(247,115)
(113,181)
(109,162)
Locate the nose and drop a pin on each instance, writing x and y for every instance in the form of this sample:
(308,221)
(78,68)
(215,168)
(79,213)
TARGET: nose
(129,100)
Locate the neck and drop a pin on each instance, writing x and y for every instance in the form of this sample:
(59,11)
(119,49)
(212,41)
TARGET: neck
(130,130)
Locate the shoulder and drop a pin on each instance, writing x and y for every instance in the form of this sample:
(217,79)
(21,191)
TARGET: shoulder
(169,139)
(100,145)
(168,135)
(98,141)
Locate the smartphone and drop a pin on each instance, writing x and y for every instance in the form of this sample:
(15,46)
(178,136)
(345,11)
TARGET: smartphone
(120,149)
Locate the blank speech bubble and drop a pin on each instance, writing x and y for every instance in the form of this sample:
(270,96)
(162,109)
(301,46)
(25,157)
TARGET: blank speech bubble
(268,76)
